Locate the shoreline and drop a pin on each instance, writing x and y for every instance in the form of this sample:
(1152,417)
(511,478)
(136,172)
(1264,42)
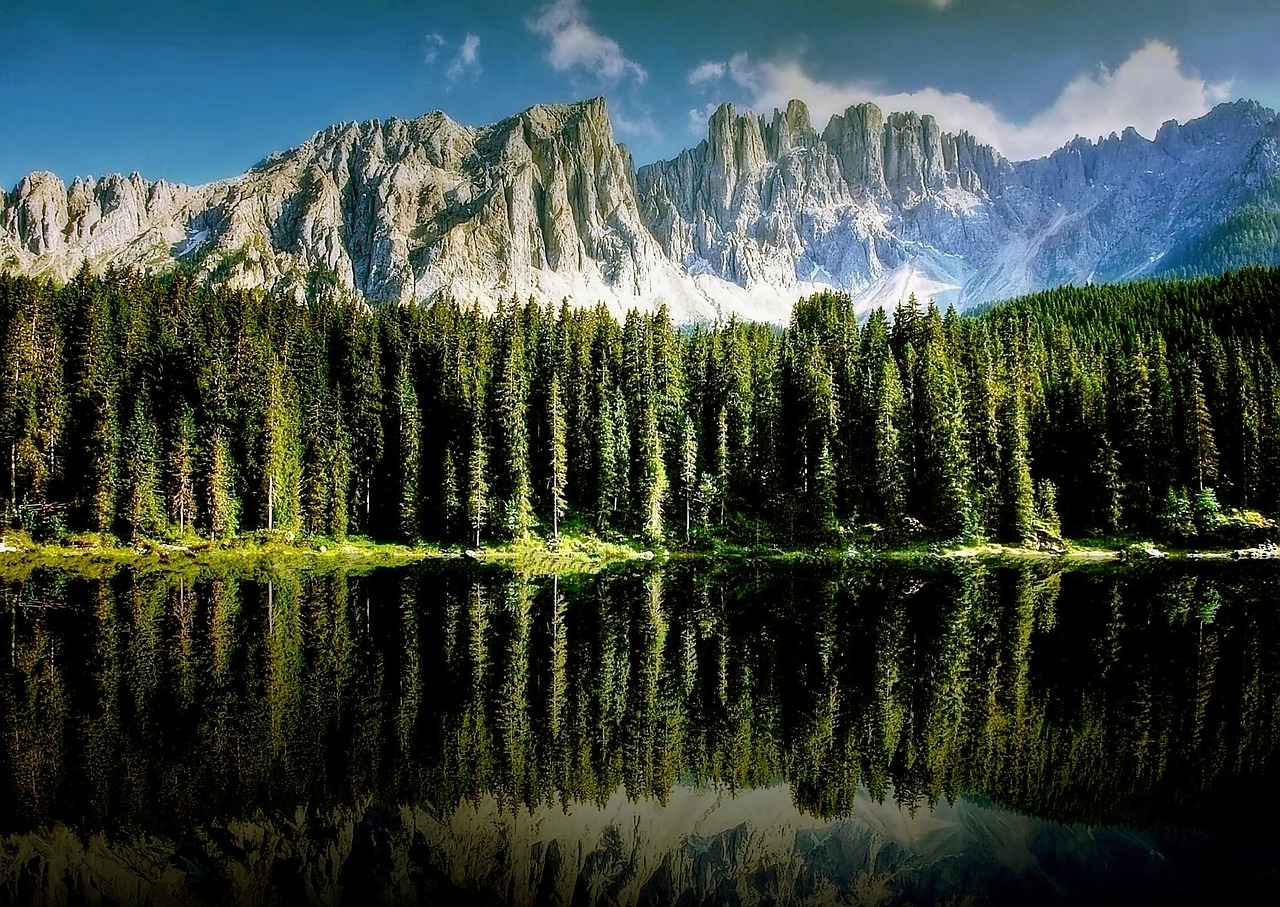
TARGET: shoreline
(534,555)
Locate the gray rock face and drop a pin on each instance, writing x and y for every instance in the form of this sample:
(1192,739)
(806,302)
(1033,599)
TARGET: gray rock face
(881,206)
(540,204)
(779,205)
(46,225)
(765,209)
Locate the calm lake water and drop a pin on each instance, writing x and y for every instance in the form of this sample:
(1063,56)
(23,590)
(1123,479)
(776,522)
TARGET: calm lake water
(688,734)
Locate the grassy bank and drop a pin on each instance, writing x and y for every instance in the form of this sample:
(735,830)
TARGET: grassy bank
(102,555)
(97,555)
(568,554)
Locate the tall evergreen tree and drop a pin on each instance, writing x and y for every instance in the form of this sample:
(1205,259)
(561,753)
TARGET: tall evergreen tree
(559,456)
(1016,495)
(141,511)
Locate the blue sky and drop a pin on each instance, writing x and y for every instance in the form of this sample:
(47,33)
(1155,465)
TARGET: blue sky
(196,92)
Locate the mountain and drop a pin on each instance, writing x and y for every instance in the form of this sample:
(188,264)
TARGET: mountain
(541,203)
(547,204)
(882,206)
(698,847)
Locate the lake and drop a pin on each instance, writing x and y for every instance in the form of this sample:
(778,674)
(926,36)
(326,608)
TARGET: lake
(691,733)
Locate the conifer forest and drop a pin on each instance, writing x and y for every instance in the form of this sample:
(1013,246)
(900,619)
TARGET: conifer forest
(147,406)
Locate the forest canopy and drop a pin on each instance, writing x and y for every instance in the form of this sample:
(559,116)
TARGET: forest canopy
(148,406)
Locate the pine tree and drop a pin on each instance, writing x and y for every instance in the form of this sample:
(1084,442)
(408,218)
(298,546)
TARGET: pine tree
(221,509)
(141,515)
(180,471)
(688,470)
(1016,495)
(614,489)
(983,432)
(94,432)
(718,490)
(888,470)
(559,457)
(823,494)
(408,456)
(510,430)
(1135,432)
(338,465)
(1200,444)
(477,481)
(1248,421)
(280,469)
(32,403)
(652,485)
(941,470)
(357,355)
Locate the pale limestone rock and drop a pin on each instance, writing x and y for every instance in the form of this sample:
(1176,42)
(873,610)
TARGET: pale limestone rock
(765,209)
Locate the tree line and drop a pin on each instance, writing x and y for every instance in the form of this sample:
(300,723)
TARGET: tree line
(150,406)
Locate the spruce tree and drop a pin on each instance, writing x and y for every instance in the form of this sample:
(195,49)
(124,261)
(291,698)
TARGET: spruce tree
(688,470)
(141,511)
(221,509)
(558,456)
(887,499)
(408,456)
(1016,494)
(1198,428)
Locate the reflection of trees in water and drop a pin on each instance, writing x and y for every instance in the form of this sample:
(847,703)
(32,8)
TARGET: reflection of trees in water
(162,702)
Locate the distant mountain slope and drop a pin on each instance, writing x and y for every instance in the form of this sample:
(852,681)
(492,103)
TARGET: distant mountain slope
(1247,235)
(547,204)
(885,206)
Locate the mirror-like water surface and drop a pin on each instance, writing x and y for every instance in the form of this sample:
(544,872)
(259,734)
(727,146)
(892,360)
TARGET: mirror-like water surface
(781,734)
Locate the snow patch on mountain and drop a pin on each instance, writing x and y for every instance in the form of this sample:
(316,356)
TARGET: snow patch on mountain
(546,204)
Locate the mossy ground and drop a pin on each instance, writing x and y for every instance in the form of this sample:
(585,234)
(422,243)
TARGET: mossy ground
(101,555)
(574,552)
(568,554)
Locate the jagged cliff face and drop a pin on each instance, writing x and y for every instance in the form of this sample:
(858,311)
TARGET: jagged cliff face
(547,204)
(1113,210)
(47,225)
(882,206)
(774,202)
(540,204)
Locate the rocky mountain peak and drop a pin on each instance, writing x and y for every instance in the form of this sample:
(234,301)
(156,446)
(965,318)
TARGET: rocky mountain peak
(547,203)
(791,128)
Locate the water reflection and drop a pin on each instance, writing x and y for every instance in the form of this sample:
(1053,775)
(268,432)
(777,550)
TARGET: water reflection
(791,733)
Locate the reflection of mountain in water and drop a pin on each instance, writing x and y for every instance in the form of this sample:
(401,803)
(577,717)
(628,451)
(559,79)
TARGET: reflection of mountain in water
(702,847)
(732,735)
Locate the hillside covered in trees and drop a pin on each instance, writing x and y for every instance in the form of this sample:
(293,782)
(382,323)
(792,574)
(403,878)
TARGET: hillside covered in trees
(146,406)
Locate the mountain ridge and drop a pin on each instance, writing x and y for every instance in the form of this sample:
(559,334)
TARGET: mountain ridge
(546,203)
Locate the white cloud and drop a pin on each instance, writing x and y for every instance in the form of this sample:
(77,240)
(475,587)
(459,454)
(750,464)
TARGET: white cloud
(466,61)
(573,44)
(709,71)
(433,42)
(1149,87)
(636,122)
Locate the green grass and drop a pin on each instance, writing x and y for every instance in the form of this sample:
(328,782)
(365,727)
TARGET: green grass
(576,552)
(570,554)
(100,555)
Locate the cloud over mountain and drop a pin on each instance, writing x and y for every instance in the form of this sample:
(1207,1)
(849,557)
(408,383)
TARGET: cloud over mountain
(1149,87)
(572,44)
